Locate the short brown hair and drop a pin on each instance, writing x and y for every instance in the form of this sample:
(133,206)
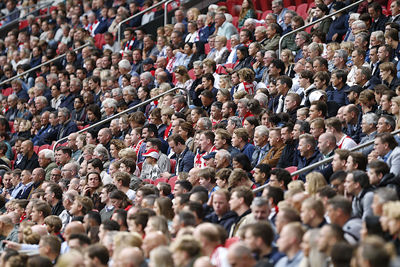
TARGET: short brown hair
(245,193)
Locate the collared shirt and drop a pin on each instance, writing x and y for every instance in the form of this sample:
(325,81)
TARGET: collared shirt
(386,157)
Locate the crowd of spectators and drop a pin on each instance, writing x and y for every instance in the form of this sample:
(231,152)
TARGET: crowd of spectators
(202,175)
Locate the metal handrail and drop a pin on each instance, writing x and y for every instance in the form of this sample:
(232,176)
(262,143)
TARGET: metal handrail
(166,11)
(117,115)
(5,167)
(324,161)
(314,22)
(136,15)
(39,66)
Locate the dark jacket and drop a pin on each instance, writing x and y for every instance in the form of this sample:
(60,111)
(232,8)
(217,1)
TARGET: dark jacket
(226,221)
(303,162)
(28,164)
(287,155)
(390,180)
(339,26)
(58,208)
(184,161)
(66,129)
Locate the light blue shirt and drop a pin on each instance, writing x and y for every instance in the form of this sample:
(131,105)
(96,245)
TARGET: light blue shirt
(286,262)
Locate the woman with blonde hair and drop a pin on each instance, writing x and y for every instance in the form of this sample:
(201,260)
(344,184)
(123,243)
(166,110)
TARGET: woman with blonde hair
(330,52)
(192,14)
(247,11)
(314,181)
(288,59)
(225,82)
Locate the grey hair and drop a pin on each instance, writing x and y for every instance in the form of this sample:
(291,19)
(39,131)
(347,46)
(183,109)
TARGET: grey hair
(379,35)
(354,16)
(342,53)
(102,151)
(244,101)
(235,36)
(129,89)
(110,102)
(262,98)
(359,24)
(261,29)
(65,111)
(236,121)
(40,87)
(117,91)
(124,64)
(370,118)
(198,63)
(262,129)
(364,36)
(277,2)
(13,97)
(259,202)
(251,21)
(147,75)
(225,154)
(47,153)
(206,121)
(52,76)
(42,99)
(115,121)
(386,194)
(202,17)
(75,166)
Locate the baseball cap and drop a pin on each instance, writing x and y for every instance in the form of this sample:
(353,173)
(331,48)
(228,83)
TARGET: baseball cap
(153,153)
(354,88)
(148,61)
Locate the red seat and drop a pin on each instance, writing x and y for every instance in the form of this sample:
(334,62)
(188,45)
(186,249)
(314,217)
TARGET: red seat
(172,182)
(165,180)
(228,44)
(259,14)
(265,5)
(44,147)
(292,8)
(302,10)
(191,74)
(299,2)
(386,12)
(23,24)
(174,78)
(99,40)
(292,169)
(235,21)
(311,5)
(8,91)
(287,3)
(207,48)
(53,8)
(221,70)
(265,13)
(36,149)
(173,165)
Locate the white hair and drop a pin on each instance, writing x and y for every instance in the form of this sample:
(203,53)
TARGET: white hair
(124,64)
(48,154)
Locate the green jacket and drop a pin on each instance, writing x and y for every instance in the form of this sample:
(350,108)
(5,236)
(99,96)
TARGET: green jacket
(250,14)
(272,44)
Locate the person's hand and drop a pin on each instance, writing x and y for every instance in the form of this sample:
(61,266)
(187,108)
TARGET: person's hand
(86,191)
(372,156)
(335,36)
(199,87)
(229,70)
(12,245)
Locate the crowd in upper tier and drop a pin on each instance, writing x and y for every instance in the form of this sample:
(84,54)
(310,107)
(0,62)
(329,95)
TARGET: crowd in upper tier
(204,175)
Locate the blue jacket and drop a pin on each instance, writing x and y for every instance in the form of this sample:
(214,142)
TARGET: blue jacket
(185,161)
(226,221)
(248,150)
(66,129)
(338,96)
(303,162)
(339,26)
(68,102)
(38,139)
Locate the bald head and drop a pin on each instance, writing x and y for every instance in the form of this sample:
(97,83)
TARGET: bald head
(73,228)
(40,230)
(130,257)
(240,255)
(153,240)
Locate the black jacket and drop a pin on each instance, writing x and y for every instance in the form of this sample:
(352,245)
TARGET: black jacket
(226,221)
(391,181)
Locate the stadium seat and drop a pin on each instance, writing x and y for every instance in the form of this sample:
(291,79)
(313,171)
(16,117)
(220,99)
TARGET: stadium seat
(259,14)
(44,147)
(139,165)
(207,48)
(99,40)
(228,45)
(172,182)
(36,149)
(265,13)
(235,21)
(311,5)
(302,10)
(23,24)
(173,165)
(11,123)
(265,5)
(287,3)
(165,180)
(191,74)
(292,8)
(299,2)
(8,91)
(292,169)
